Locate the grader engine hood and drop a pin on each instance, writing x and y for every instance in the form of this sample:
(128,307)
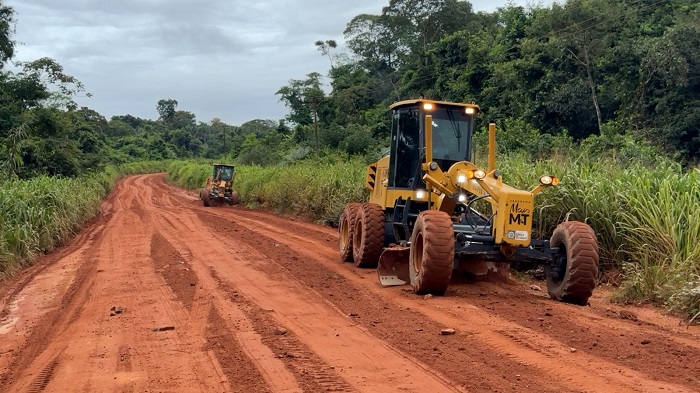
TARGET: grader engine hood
(513,208)
(514,225)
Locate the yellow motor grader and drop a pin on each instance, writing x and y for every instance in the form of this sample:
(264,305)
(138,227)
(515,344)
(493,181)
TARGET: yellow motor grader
(219,188)
(421,221)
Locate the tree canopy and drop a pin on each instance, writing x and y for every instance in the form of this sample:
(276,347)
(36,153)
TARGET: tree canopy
(584,69)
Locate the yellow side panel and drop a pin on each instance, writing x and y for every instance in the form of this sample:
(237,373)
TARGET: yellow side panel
(377,182)
(515,217)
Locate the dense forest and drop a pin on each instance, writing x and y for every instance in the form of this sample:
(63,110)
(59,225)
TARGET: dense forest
(613,75)
(617,72)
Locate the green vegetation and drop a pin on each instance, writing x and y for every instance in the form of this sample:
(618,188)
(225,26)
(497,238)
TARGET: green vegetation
(620,68)
(41,213)
(38,214)
(307,189)
(646,220)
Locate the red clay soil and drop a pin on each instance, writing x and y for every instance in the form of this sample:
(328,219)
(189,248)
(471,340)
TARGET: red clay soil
(160,294)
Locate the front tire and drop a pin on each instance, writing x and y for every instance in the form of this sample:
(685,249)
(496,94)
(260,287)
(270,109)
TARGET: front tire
(368,235)
(432,254)
(204,195)
(235,200)
(574,271)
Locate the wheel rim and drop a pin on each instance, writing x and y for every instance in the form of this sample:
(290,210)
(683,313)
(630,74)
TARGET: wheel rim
(344,233)
(357,237)
(418,252)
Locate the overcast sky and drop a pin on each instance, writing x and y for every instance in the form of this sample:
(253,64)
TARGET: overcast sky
(217,58)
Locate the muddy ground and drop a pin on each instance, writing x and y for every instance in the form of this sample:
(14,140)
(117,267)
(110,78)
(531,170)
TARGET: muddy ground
(159,294)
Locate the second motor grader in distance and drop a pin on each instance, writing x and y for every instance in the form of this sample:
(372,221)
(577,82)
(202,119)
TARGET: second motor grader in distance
(421,221)
(219,187)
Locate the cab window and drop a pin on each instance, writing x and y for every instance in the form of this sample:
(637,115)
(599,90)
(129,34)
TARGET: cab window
(406,145)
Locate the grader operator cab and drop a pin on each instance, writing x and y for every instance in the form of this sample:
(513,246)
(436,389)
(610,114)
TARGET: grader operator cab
(422,222)
(219,188)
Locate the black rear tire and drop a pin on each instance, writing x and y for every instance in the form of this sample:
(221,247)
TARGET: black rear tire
(235,199)
(576,267)
(368,235)
(204,195)
(432,254)
(346,228)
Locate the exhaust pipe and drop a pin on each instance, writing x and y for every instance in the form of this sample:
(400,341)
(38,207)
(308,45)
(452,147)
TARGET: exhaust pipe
(492,147)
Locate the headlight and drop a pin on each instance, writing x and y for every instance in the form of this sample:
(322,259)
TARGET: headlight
(428,106)
(461,179)
(470,111)
(420,194)
(549,180)
(476,174)
(462,197)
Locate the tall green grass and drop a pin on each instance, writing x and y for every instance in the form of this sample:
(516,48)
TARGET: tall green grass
(647,220)
(189,174)
(311,190)
(38,214)
(316,191)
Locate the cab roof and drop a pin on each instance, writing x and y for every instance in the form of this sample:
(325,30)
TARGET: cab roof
(404,103)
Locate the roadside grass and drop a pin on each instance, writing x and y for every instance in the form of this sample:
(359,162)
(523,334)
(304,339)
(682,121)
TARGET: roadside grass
(38,214)
(315,191)
(646,219)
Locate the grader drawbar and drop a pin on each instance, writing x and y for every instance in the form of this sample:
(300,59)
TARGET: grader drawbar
(219,187)
(422,220)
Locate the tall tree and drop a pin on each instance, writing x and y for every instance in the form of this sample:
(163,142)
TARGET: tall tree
(325,48)
(584,31)
(166,109)
(7,29)
(301,96)
(370,37)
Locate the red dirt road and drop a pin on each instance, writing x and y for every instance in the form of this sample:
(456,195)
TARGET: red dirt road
(160,294)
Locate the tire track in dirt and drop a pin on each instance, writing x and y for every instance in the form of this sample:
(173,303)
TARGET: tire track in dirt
(42,379)
(83,346)
(257,332)
(315,324)
(230,320)
(204,326)
(187,317)
(312,374)
(630,378)
(465,362)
